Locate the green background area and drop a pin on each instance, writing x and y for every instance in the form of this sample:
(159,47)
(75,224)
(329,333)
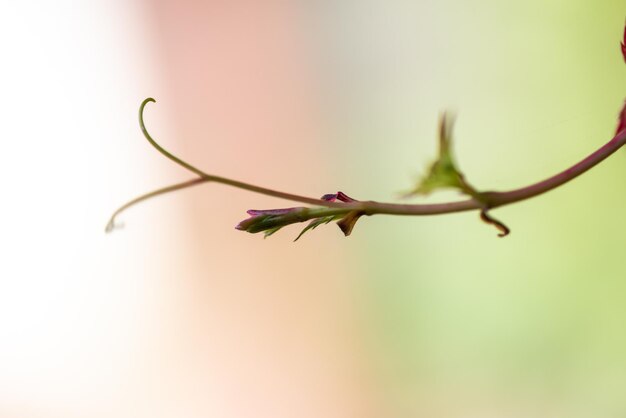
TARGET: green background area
(534,323)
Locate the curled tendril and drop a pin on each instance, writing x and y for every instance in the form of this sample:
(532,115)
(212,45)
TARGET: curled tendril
(485,217)
(160,148)
(111,225)
(203,178)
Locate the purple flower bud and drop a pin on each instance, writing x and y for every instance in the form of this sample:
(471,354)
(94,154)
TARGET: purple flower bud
(341,196)
(271,220)
(264,220)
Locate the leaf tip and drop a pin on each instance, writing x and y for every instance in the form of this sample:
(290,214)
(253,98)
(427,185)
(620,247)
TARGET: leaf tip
(623,45)
(621,120)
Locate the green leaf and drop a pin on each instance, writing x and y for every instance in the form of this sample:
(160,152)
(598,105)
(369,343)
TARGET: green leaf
(443,173)
(270,232)
(317,222)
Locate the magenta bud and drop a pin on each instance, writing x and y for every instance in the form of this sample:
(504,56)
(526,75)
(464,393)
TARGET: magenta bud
(341,196)
(271,220)
(263,220)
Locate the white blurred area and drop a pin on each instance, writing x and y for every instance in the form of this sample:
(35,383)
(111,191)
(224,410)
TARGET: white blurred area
(75,306)
(148,321)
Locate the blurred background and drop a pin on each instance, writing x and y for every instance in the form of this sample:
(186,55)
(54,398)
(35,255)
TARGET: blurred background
(180,315)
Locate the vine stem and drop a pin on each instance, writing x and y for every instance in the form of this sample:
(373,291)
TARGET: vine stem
(488,200)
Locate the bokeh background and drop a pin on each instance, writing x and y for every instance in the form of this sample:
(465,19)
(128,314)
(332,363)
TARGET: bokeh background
(179,315)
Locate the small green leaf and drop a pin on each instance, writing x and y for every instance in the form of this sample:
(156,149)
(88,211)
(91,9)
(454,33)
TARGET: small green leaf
(317,222)
(443,173)
(270,232)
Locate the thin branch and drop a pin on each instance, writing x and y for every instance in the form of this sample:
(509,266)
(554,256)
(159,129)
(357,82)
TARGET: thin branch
(497,199)
(503,198)
(488,200)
